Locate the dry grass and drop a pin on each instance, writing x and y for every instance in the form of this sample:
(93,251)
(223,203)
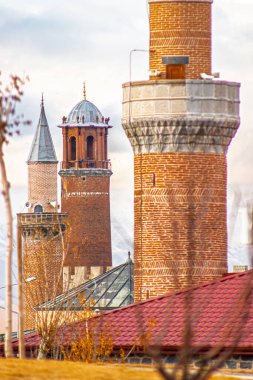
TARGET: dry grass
(48,370)
(13,369)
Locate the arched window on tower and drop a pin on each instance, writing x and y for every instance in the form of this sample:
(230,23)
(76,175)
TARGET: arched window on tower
(38,208)
(72,143)
(90,148)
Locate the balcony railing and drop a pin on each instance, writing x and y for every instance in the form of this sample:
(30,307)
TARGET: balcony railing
(40,218)
(86,164)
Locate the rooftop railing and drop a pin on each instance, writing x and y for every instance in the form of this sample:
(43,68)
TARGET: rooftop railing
(86,164)
(41,218)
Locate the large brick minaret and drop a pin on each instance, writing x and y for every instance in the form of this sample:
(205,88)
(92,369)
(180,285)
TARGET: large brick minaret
(180,127)
(41,230)
(85,177)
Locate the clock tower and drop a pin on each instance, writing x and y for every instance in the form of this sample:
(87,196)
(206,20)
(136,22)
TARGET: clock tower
(85,191)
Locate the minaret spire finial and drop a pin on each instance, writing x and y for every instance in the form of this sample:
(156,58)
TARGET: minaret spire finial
(84,91)
(42,100)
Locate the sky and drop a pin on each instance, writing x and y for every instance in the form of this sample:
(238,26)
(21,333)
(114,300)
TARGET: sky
(61,43)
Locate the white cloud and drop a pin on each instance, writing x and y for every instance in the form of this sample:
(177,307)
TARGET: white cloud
(16,154)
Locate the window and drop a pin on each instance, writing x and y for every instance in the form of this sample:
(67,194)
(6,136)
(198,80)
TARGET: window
(90,148)
(55,232)
(63,227)
(72,148)
(92,116)
(44,231)
(38,208)
(154,179)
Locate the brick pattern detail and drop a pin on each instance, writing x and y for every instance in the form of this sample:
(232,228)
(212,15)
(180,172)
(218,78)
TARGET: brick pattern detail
(43,259)
(87,201)
(180,221)
(181,28)
(42,185)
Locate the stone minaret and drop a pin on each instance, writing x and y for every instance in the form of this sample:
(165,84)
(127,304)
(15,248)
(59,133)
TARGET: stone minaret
(85,178)
(180,127)
(42,229)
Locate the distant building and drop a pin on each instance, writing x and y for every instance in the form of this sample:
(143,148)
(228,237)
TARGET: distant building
(240,226)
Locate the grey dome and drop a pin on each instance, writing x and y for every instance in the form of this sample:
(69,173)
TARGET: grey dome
(84,112)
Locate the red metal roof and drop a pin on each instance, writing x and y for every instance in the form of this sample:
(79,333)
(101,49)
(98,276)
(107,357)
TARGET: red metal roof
(31,340)
(220,312)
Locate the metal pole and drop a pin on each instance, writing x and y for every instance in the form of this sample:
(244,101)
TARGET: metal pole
(20,296)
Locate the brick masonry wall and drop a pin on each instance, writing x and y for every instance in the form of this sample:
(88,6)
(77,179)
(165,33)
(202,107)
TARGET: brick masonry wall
(43,259)
(87,201)
(181,28)
(180,221)
(42,185)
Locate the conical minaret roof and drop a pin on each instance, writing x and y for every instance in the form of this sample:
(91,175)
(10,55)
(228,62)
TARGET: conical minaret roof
(42,149)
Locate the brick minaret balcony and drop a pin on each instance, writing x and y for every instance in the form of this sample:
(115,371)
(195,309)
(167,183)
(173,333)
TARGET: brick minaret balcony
(180,127)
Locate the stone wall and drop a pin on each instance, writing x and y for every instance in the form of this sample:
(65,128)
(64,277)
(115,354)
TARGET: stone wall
(180,115)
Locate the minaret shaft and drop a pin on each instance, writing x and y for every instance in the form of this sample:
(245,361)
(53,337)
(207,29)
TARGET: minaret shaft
(180,220)
(180,28)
